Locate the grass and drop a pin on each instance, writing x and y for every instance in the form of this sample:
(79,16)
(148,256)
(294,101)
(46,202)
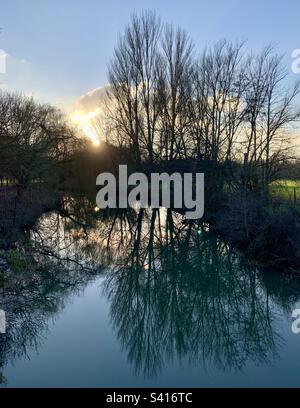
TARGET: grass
(286,183)
(286,189)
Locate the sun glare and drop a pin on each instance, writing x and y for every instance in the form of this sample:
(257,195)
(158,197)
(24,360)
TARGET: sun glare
(85,122)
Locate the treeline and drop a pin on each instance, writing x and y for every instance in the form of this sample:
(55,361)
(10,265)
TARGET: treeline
(35,141)
(36,147)
(226,112)
(89,161)
(39,146)
(224,105)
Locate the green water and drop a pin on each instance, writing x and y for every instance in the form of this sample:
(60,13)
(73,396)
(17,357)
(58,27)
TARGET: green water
(143,298)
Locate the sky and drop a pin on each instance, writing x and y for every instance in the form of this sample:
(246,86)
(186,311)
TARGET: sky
(58,50)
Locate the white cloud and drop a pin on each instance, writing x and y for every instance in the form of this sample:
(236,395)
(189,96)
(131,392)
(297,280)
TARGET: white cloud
(89,113)
(93,99)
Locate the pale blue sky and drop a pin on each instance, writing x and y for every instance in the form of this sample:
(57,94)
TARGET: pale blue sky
(59,49)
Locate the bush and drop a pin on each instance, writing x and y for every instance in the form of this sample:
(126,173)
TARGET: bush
(267,232)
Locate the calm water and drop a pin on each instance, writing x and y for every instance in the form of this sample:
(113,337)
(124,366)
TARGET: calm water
(143,298)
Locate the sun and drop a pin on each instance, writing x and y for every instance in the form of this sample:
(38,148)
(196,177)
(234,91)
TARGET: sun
(85,122)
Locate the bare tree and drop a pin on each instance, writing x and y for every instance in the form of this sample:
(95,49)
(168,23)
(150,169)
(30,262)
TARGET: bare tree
(225,107)
(270,114)
(134,105)
(174,88)
(216,106)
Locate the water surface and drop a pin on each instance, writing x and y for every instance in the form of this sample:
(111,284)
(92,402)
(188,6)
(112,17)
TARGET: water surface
(144,298)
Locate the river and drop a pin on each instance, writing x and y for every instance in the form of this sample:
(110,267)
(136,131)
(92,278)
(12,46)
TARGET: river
(143,298)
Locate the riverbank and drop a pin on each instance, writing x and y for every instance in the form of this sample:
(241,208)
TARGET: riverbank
(20,207)
(266,231)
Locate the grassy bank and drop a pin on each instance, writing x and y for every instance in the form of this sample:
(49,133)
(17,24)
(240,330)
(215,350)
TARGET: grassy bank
(288,190)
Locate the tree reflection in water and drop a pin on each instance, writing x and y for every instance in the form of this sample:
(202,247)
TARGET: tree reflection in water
(181,293)
(176,292)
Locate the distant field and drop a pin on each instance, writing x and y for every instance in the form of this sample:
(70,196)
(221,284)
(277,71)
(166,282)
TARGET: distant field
(286,189)
(286,183)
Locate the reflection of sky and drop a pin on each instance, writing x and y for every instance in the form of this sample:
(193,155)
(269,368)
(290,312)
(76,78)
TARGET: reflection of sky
(105,240)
